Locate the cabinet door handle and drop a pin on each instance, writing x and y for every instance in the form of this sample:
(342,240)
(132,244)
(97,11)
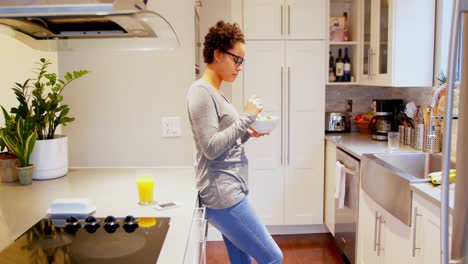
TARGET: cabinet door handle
(289,19)
(289,113)
(368,64)
(371,60)
(375,230)
(371,64)
(415,226)
(282,111)
(282,20)
(381,221)
(371,71)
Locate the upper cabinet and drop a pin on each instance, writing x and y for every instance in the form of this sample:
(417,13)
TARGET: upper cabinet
(389,42)
(397,42)
(284,19)
(343,38)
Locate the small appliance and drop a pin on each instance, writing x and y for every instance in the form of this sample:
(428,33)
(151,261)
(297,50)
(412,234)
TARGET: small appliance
(337,122)
(385,117)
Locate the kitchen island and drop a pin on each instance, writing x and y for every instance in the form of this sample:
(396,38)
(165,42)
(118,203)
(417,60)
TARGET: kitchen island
(114,192)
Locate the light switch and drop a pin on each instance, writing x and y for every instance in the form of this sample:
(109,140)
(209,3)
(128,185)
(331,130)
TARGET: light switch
(170,126)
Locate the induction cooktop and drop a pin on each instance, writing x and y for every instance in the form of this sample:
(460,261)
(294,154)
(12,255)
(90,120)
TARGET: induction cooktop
(92,241)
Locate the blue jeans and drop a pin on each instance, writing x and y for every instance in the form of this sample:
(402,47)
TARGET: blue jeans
(244,234)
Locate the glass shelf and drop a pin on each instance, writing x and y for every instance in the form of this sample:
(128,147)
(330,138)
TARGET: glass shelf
(343,43)
(341,83)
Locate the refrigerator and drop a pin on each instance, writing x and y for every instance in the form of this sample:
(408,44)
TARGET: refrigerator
(458,66)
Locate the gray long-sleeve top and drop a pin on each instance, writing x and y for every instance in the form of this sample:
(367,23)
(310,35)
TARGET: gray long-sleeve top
(219,132)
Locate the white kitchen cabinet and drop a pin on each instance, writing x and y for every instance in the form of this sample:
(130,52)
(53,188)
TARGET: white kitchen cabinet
(397,42)
(286,168)
(284,19)
(330,179)
(263,76)
(304,138)
(368,231)
(382,238)
(425,248)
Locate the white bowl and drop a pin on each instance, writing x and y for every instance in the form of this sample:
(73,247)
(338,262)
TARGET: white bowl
(265,125)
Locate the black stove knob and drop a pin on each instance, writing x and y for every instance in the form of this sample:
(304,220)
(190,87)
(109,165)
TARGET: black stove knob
(110,224)
(130,224)
(129,220)
(91,224)
(110,220)
(90,220)
(72,220)
(72,224)
(92,228)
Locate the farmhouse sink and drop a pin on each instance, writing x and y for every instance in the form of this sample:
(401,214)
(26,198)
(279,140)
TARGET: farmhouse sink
(387,177)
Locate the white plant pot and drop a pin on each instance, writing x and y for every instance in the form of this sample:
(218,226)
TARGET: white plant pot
(50,158)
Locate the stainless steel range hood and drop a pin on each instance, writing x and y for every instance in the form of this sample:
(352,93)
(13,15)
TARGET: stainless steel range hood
(85,19)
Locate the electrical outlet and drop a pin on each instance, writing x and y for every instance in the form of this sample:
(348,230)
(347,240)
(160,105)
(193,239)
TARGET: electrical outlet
(170,126)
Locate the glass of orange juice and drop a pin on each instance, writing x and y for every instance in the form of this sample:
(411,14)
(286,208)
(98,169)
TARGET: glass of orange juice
(145,186)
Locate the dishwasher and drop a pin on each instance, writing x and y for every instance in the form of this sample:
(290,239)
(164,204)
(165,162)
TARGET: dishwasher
(346,212)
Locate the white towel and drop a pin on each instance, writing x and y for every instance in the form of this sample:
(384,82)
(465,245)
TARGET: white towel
(340,184)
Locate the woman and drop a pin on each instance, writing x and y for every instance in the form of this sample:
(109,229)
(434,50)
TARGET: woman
(221,165)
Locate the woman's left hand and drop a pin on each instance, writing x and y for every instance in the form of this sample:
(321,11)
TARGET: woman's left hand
(254,133)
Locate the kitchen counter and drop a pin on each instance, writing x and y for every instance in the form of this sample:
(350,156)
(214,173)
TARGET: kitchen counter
(358,144)
(433,193)
(114,192)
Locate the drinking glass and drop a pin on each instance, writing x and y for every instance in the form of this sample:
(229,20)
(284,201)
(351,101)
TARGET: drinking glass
(393,141)
(145,186)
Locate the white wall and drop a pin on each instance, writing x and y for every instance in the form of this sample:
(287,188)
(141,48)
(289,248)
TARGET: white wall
(18,55)
(211,12)
(229,11)
(120,104)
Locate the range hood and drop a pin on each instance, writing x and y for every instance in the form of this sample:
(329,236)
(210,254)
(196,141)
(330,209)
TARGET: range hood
(85,19)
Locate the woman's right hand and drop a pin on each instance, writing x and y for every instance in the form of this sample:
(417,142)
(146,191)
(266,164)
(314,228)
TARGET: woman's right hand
(254,106)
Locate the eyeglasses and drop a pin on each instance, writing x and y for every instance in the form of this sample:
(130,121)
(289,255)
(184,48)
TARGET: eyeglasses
(237,59)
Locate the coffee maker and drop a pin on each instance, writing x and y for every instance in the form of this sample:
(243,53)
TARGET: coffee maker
(385,117)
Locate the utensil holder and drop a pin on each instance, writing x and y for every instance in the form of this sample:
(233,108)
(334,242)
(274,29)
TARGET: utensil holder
(408,135)
(418,136)
(401,130)
(432,144)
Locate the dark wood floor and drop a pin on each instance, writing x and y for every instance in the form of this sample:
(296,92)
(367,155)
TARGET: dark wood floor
(297,249)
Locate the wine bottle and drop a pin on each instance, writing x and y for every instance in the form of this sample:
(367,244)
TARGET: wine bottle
(331,68)
(346,67)
(339,66)
(345,31)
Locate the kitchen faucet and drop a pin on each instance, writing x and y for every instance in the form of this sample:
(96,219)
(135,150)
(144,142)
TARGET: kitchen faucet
(432,117)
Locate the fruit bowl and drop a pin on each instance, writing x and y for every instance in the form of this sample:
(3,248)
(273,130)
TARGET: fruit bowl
(265,124)
(363,126)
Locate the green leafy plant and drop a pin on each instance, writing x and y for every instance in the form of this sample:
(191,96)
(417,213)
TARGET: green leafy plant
(22,142)
(442,78)
(43,101)
(9,129)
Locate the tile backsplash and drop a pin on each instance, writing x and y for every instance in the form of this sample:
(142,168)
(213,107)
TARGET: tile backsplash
(362,96)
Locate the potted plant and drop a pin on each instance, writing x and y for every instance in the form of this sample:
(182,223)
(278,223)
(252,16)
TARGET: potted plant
(21,144)
(8,160)
(43,101)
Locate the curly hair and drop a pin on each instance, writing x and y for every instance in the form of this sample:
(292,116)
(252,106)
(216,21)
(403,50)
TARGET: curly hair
(221,37)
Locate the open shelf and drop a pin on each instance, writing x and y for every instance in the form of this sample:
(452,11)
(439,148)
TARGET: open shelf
(341,83)
(343,43)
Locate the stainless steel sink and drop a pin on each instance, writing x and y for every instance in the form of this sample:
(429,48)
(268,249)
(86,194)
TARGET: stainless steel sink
(387,177)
